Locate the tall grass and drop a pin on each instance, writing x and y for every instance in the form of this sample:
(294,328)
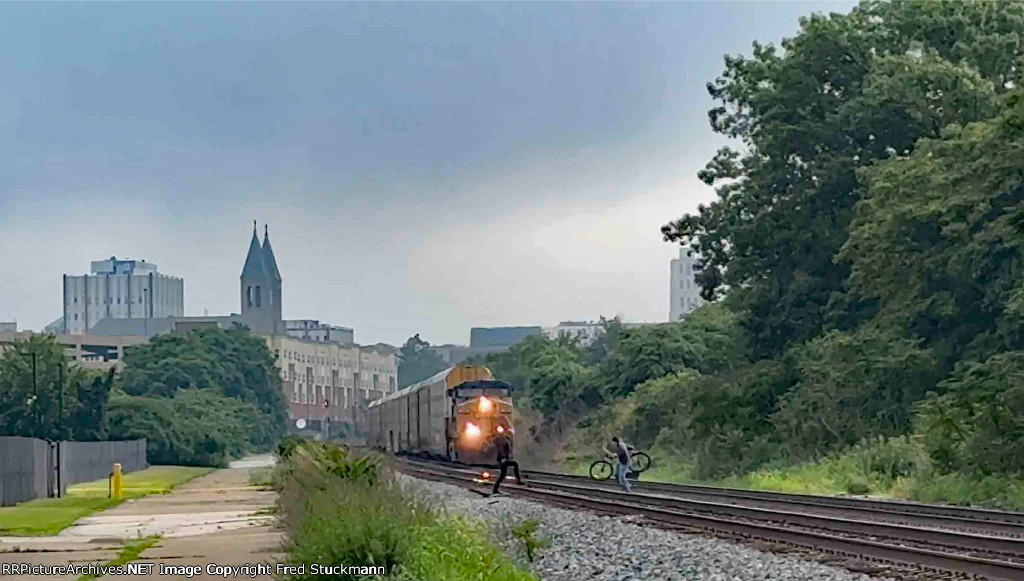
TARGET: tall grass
(346,510)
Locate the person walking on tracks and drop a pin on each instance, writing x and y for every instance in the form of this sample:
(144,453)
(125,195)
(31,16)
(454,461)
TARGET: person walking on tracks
(621,454)
(503,446)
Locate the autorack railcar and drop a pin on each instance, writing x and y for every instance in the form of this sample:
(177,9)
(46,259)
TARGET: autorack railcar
(451,415)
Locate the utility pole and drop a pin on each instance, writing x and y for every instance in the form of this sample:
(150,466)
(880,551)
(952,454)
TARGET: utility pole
(35,399)
(60,418)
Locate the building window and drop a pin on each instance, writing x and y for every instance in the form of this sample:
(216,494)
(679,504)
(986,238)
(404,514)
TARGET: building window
(248,296)
(258,296)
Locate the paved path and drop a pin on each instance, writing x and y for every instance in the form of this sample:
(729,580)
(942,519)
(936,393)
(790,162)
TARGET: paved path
(218,518)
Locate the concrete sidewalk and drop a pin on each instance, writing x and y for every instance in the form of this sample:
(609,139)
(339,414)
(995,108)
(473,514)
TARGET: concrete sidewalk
(218,518)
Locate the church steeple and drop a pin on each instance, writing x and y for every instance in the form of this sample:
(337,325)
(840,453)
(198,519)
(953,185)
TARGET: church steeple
(254,262)
(261,287)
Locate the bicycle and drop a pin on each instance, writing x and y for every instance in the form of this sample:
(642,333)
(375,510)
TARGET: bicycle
(638,462)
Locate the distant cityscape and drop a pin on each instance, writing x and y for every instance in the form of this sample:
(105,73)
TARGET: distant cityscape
(326,376)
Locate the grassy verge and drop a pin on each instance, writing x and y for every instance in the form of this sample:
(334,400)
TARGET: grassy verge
(127,554)
(889,468)
(340,510)
(48,516)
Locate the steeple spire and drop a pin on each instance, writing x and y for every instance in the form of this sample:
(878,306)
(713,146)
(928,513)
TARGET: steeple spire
(268,255)
(254,263)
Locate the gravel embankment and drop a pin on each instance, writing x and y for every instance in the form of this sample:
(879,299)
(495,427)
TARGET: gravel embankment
(585,546)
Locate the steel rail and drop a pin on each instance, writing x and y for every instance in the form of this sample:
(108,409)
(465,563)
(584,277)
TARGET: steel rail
(851,547)
(810,504)
(859,504)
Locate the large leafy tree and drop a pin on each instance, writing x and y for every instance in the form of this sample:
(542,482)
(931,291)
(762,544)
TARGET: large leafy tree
(233,363)
(708,340)
(938,242)
(417,361)
(848,90)
(197,427)
(65,402)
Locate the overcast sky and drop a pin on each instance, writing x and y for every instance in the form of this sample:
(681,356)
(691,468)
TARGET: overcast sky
(424,168)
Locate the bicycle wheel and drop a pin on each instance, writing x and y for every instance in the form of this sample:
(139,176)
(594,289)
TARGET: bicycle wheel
(601,470)
(639,461)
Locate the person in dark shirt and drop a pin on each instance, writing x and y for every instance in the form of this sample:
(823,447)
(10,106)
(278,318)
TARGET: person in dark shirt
(503,447)
(621,455)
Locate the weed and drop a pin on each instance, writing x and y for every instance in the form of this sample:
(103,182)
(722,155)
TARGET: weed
(526,533)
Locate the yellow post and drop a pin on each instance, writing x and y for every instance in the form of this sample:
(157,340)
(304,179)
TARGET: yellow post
(118,486)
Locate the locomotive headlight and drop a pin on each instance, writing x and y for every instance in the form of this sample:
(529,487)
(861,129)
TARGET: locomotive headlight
(485,405)
(501,429)
(472,431)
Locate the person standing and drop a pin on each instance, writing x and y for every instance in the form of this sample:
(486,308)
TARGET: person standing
(503,446)
(621,456)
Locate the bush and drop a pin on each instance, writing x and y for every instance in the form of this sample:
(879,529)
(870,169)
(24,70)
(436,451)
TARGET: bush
(977,426)
(721,423)
(345,509)
(195,428)
(353,523)
(852,386)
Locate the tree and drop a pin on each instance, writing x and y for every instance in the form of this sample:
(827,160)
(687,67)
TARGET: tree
(233,363)
(847,91)
(709,340)
(977,425)
(938,241)
(34,411)
(197,427)
(417,361)
(852,386)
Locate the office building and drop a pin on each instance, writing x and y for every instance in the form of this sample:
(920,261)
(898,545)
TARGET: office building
(120,289)
(684,293)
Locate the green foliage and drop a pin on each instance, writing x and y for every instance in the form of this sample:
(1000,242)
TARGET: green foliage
(977,425)
(526,533)
(877,466)
(847,91)
(952,212)
(722,424)
(288,444)
(341,516)
(195,428)
(550,374)
(35,412)
(454,548)
(851,386)
(233,363)
(417,361)
(997,492)
(709,341)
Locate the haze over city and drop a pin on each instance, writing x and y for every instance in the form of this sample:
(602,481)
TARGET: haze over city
(421,169)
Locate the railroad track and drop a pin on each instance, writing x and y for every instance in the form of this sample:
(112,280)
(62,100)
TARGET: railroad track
(964,518)
(857,537)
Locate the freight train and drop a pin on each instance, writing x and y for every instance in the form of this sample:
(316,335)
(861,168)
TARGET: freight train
(452,415)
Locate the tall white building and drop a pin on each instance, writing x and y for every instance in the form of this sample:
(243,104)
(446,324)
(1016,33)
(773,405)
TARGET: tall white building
(684,293)
(120,289)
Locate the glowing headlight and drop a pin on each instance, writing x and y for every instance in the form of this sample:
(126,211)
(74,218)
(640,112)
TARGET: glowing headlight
(472,431)
(500,429)
(485,405)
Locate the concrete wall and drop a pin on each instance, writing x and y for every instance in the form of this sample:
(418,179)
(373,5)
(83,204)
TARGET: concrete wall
(88,461)
(27,465)
(24,469)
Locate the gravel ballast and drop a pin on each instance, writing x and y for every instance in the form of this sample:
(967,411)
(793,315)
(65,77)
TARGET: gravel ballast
(602,548)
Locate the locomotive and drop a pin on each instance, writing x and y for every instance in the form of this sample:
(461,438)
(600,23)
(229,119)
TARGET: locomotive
(452,415)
